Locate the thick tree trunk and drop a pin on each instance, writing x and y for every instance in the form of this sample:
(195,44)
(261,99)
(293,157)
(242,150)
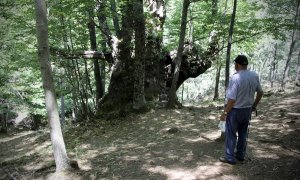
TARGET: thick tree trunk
(59,149)
(172,93)
(120,89)
(155,84)
(157,63)
(139,60)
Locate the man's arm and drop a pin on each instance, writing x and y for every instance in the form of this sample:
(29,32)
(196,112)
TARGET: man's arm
(228,107)
(258,97)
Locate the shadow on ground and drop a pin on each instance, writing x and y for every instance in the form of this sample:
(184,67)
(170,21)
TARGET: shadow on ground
(143,147)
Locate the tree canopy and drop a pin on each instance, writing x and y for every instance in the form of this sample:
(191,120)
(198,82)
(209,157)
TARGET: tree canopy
(261,29)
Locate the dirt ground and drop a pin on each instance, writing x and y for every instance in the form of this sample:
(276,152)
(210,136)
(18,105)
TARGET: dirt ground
(180,144)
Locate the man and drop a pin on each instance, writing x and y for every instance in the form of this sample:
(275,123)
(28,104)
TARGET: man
(239,105)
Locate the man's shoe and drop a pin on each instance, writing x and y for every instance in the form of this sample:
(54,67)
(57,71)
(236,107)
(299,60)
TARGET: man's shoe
(224,160)
(239,159)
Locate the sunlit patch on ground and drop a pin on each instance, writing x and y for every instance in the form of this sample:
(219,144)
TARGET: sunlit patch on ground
(214,171)
(143,147)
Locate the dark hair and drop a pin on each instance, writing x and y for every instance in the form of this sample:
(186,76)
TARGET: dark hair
(241,60)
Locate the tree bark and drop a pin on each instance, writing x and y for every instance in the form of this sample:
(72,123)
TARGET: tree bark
(3,117)
(120,89)
(229,44)
(103,26)
(214,12)
(155,84)
(97,74)
(172,93)
(288,61)
(273,67)
(218,73)
(139,60)
(298,71)
(115,17)
(59,149)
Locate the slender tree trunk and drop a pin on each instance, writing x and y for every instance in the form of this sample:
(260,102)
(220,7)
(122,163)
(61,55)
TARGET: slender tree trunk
(172,92)
(273,67)
(261,67)
(104,26)
(88,87)
(76,96)
(214,12)
(59,149)
(222,137)
(97,73)
(81,90)
(115,17)
(229,44)
(62,107)
(3,118)
(298,71)
(191,29)
(102,68)
(288,61)
(139,63)
(218,73)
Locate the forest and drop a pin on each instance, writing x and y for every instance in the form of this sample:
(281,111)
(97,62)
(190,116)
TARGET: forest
(133,89)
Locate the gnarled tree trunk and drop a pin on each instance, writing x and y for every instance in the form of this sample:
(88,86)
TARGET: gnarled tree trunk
(120,89)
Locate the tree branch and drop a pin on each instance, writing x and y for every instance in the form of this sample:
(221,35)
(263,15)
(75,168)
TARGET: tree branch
(85,54)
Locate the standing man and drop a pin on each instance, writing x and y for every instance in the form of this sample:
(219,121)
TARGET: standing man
(239,105)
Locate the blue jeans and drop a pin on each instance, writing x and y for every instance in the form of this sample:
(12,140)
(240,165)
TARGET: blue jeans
(237,122)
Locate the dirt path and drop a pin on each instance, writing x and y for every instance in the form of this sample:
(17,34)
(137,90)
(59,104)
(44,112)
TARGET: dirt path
(144,147)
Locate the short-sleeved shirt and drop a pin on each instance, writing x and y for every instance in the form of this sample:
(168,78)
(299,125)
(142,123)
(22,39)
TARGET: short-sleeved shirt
(242,87)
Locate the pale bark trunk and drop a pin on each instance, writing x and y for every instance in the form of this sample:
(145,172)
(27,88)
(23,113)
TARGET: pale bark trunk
(59,149)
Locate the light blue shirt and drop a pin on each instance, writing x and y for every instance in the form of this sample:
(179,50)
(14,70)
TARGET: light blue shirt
(242,87)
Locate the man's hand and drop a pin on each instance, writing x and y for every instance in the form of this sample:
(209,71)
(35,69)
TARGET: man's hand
(223,116)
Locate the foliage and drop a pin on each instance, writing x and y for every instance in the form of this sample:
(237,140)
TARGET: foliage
(259,25)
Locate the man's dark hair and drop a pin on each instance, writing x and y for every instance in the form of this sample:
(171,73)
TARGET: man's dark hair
(241,60)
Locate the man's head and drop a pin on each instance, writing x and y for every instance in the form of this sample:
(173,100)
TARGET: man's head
(241,62)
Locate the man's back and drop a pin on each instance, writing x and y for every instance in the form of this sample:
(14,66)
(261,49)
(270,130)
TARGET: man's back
(242,88)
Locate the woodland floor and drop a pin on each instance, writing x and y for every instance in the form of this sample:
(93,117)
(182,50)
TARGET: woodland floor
(141,147)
